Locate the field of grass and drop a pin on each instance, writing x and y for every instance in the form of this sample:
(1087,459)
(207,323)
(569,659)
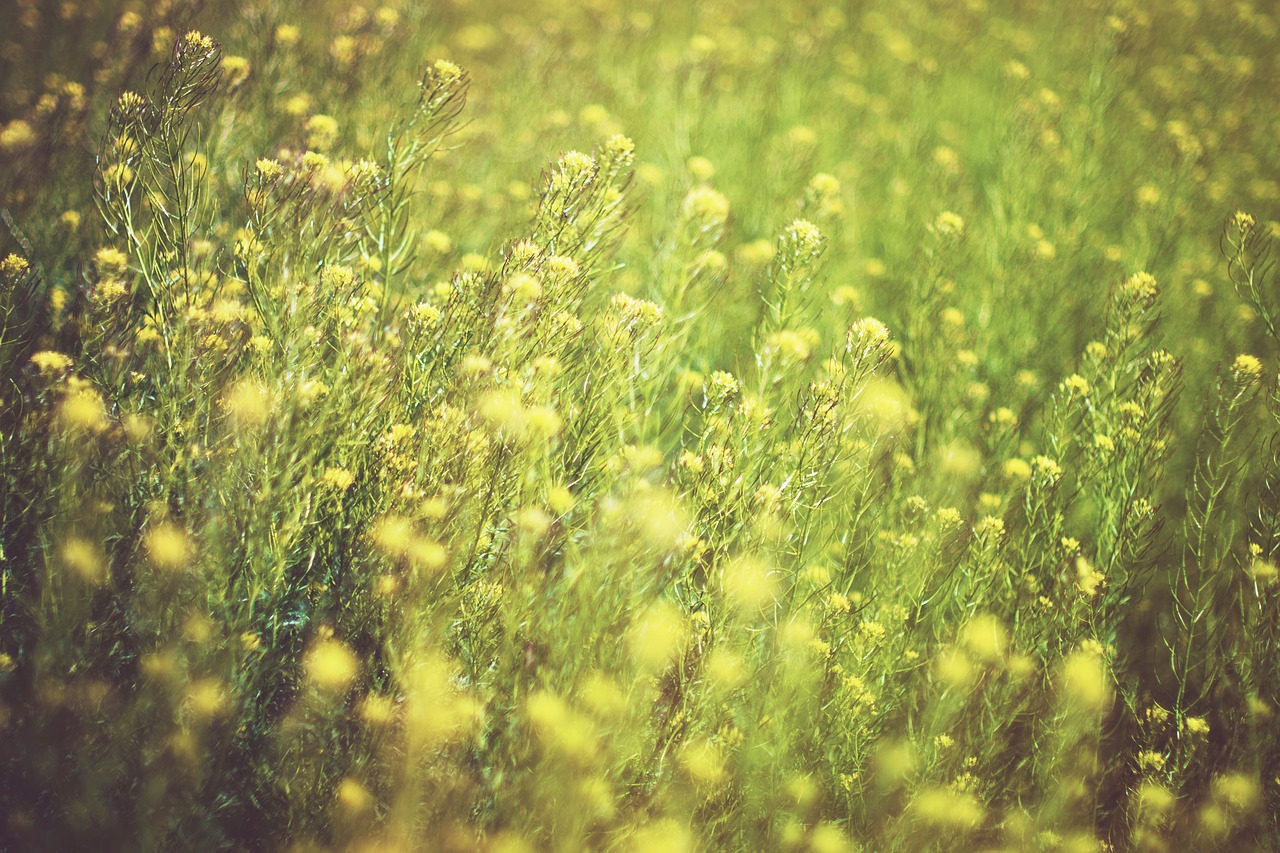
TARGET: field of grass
(518,425)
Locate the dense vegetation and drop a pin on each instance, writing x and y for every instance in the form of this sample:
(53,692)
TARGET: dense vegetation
(871,443)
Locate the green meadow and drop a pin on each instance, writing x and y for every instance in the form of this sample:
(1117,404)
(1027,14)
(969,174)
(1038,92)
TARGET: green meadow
(640,427)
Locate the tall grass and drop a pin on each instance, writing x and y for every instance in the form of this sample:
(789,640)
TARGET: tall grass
(518,426)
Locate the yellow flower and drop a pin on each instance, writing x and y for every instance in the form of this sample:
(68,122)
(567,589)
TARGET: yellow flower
(82,410)
(1088,579)
(47,361)
(948,224)
(168,546)
(1084,683)
(1140,286)
(331,666)
(1196,726)
(705,205)
(1148,195)
(353,799)
(1018,470)
(84,558)
(17,136)
(13,266)
(339,479)
(322,132)
(1076,385)
(287,35)
(1246,368)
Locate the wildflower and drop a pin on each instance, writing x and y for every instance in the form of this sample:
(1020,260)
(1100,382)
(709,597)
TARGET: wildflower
(868,334)
(872,630)
(985,639)
(1141,286)
(1156,798)
(838,603)
(111,261)
(248,403)
(573,170)
(331,666)
(396,537)
(824,184)
(1263,570)
(948,517)
(206,698)
(523,287)
(1246,369)
(47,361)
(721,387)
(84,558)
(1088,579)
(377,709)
(533,521)
(446,71)
(1076,385)
(1083,681)
(560,499)
(322,132)
(560,729)
(756,253)
(338,479)
(1015,70)
(635,315)
(17,136)
(711,261)
(268,169)
(991,526)
(194,40)
(829,838)
(1148,195)
(794,345)
(235,69)
(700,168)
(1196,726)
(1238,791)
(314,161)
(843,295)
(353,799)
(168,546)
(748,583)
(82,410)
(1044,250)
(14,267)
(803,236)
(437,242)
(704,762)
(942,807)
(343,49)
(705,206)
(621,150)
(1047,469)
(1018,470)
(948,224)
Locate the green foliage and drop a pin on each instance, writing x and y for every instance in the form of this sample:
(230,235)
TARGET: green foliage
(468,427)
